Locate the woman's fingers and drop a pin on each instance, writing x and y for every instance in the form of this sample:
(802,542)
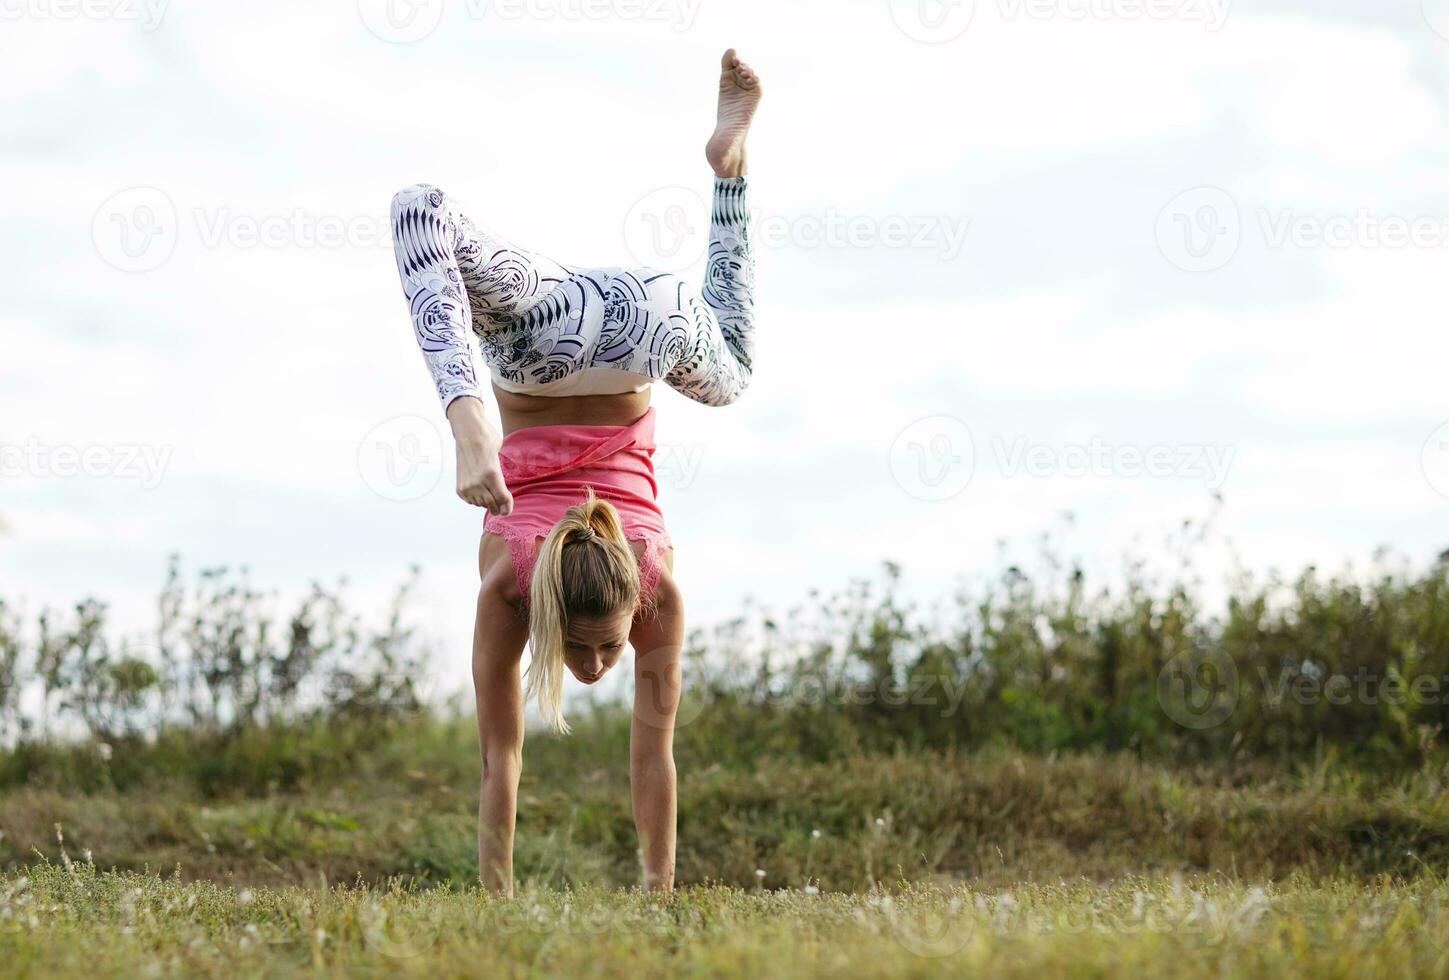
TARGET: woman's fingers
(498,490)
(492,494)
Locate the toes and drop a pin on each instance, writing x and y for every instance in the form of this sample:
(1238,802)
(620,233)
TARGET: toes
(744,76)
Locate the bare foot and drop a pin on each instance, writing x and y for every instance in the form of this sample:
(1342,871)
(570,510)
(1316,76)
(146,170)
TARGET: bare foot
(739,97)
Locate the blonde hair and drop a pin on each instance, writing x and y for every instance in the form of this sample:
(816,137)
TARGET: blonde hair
(585,568)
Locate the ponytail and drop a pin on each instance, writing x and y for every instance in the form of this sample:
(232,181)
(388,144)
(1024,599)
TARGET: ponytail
(585,569)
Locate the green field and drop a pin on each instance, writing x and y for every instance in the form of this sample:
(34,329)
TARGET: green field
(864,790)
(911,864)
(83,922)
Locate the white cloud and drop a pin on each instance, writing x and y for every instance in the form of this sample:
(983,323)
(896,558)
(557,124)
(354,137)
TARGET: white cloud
(264,367)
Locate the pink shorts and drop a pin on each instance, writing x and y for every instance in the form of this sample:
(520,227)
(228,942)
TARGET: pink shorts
(550,468)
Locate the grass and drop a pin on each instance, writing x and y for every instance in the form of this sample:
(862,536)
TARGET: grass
(992,817)
(921,863)
(1028,783)
(56,919)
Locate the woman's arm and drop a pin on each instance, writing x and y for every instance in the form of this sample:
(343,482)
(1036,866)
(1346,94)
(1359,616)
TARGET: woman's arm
(499,635)
(428,234)
(657,641)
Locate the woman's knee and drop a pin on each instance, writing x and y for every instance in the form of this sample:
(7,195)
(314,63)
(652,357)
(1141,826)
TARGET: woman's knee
(418,197)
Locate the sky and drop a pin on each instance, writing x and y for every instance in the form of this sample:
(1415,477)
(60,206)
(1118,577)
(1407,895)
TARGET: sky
(1131,261)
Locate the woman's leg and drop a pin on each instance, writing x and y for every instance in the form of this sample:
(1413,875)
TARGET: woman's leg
(458,277)
(540,321)
(715,363)
(710,334)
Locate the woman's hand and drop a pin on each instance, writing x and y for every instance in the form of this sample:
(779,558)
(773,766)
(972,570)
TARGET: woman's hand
(480,475)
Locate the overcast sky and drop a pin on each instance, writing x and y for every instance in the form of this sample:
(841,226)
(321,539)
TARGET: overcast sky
(1017,259)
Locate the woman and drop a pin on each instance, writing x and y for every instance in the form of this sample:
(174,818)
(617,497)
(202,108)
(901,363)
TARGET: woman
(575,558)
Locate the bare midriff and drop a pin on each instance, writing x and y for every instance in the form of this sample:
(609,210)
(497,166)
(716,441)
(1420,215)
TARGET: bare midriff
(527,411)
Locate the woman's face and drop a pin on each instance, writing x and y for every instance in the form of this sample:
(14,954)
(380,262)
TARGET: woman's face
(592,646)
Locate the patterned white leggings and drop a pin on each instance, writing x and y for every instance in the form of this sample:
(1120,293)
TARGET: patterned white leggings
(537,321)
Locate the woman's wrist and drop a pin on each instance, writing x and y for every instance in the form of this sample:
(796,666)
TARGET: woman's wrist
(469,421)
